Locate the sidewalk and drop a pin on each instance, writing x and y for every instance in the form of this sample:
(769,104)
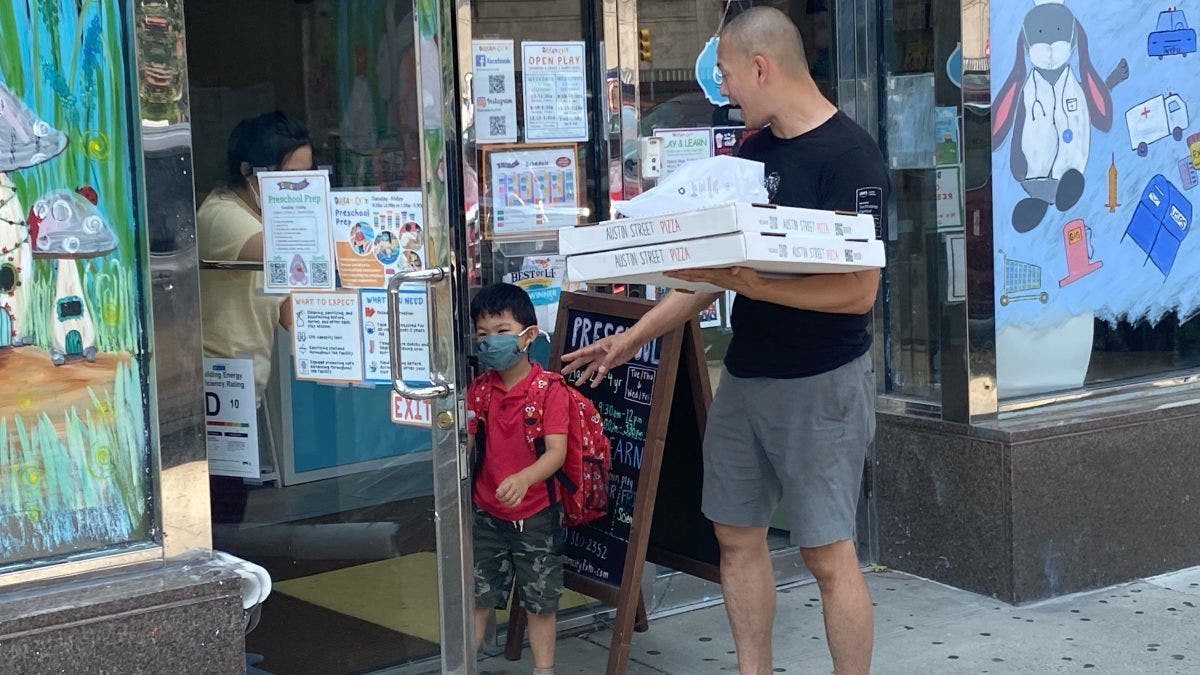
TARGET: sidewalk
(921,627)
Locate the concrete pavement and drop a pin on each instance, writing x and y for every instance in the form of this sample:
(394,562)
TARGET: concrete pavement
(1147,626)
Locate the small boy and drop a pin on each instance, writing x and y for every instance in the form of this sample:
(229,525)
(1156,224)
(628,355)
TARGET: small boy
(518,527)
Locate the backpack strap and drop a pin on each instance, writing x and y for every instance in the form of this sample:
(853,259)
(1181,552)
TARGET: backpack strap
(483,408)
(537,397)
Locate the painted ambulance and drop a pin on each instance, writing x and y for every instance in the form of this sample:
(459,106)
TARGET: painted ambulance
(1154,119)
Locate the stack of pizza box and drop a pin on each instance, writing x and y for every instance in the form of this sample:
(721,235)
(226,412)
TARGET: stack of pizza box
(775,240)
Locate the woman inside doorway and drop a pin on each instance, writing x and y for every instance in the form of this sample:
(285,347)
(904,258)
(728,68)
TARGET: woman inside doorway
(238,318)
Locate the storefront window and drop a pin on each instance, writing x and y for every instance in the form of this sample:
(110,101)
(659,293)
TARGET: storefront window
(75,467)
(540,163)
(922,143)
(1094,168)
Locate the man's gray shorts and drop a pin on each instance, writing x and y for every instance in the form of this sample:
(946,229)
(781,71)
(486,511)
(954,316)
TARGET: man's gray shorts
(802,440)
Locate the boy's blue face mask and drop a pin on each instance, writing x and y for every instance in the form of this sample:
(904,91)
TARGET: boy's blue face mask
(499,352)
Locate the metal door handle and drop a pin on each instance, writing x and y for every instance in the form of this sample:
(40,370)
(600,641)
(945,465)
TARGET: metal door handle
(234,265)
(427,277)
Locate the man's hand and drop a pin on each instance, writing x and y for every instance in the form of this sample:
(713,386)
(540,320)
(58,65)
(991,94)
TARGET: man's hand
(740,280)
(600,357)
(512,490)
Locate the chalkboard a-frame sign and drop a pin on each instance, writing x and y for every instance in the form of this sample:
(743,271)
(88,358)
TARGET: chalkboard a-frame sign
(654,408)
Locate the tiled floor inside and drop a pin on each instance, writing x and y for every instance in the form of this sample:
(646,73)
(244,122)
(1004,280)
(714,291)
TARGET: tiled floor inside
(1148,626)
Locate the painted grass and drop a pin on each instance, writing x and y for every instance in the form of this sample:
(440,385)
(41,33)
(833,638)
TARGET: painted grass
(83,489)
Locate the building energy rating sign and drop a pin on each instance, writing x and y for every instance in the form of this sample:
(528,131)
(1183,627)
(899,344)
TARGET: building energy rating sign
(683,145)
(376,235)
(230,417)
(554,75)
(326,343)
(297,252)
(495,89)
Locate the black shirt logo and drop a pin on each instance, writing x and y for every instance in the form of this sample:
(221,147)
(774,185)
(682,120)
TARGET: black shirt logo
(772,184)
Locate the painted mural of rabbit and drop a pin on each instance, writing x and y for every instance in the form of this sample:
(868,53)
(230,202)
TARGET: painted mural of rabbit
(1051,110)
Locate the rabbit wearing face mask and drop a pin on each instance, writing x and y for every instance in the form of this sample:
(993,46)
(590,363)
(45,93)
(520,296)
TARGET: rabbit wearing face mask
(1050,111)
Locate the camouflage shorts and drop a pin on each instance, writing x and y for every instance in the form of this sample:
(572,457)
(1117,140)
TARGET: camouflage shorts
(531,552)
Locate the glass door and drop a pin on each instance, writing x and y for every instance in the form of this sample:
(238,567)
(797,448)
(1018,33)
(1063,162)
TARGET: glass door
(541,85)
(353,497)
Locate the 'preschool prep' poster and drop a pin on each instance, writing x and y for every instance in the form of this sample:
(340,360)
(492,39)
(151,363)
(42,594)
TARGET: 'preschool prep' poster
(296,249)
(1095,148)
(376,235)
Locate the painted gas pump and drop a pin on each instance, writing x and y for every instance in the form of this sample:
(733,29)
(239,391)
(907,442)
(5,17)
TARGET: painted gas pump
(1079,254)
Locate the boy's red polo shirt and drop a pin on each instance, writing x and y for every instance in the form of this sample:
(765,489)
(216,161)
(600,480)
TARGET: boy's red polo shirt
(507,449)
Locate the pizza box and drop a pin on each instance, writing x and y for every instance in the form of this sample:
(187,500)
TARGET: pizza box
(724,219)
(770,253)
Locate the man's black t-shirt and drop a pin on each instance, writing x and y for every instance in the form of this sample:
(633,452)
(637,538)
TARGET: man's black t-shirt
(835,167)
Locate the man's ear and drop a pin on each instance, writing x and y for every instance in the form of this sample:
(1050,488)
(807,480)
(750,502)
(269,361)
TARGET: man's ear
(762,67)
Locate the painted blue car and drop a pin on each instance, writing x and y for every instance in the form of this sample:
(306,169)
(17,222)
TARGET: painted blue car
(1172,35)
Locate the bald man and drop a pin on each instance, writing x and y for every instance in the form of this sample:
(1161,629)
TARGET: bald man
(794,414)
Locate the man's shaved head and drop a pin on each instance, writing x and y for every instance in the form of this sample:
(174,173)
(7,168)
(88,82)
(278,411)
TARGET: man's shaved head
(771,33)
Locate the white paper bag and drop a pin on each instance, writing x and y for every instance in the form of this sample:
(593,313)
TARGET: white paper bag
(699,184)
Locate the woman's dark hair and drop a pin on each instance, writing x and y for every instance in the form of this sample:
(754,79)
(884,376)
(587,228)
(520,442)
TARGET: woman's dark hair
(495,299)
(263,141)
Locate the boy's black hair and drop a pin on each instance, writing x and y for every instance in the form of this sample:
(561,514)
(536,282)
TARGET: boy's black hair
(263,141)
(494,299)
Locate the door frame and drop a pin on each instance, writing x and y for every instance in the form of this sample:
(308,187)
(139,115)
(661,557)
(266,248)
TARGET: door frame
(442,152)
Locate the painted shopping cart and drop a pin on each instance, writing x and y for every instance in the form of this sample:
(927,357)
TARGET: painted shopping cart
(1019,277)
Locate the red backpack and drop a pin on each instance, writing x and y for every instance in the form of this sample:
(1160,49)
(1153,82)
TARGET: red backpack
(582,482)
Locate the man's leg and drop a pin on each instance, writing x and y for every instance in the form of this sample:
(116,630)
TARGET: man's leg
(849,616)
(748,584)
(543,633)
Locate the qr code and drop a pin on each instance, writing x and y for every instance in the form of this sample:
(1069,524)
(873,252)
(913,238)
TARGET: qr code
(495,84)
(277,274)
(497,126)
(320,273)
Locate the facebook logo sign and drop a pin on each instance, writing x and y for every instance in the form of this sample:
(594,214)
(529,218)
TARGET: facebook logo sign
(480,61)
